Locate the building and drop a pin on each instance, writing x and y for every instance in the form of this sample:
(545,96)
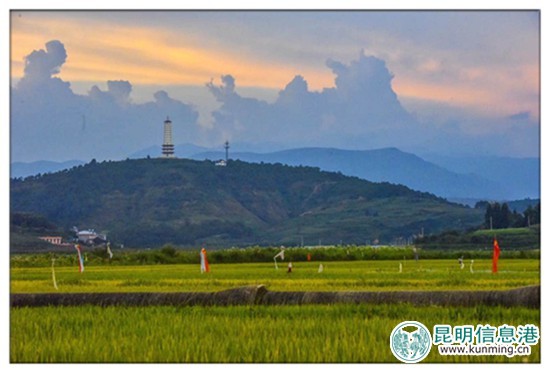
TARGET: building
(168,145)
(54,240)
(90,237)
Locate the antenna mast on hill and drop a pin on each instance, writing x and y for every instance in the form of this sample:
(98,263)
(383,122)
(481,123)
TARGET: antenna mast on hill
(226,146)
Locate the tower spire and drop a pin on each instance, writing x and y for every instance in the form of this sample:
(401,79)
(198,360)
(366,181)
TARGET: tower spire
(168,145)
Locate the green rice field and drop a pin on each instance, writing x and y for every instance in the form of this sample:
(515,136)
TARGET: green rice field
(263,334)
(320,333)
(343,276)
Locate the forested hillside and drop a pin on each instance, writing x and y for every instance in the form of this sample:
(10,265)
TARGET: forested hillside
(149,202)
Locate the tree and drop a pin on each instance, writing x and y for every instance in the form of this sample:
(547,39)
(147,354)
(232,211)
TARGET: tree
(504,216)
(497,216)
(481,205)
(490,215)
(531,215)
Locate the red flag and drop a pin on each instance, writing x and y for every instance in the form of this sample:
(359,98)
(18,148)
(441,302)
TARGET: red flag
(496,254)
(205,267)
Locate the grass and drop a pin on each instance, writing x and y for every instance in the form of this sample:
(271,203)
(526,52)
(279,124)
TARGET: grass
(261,334)
(353,275)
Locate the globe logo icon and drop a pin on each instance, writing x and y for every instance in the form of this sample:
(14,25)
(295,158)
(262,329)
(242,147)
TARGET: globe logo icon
(410,341)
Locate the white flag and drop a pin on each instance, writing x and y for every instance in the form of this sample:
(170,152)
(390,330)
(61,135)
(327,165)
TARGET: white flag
(205,267)
(400,267)
(280,255)
(203,264)
(53,275)
(109,251)
(472,266)
(320,268)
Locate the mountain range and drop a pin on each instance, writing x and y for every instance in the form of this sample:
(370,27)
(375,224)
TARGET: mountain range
(461,179)
(150,202)
(24,169)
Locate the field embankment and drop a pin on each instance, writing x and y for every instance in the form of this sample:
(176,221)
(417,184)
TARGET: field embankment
(251,295)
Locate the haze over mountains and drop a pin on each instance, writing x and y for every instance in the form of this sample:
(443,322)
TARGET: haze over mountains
(458,178)
(24,169)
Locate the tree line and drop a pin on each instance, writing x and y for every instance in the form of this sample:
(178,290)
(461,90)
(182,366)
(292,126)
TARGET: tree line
(498,216)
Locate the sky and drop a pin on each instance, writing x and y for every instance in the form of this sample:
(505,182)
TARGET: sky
(99,84)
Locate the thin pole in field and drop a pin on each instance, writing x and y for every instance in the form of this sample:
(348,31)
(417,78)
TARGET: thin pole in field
(53,275)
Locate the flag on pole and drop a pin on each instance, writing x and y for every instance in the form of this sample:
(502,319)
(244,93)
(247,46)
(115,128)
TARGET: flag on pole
(279,255)
(496,254)
(205,267)
(320,270)
(80,259)
(109,250)
(53,275)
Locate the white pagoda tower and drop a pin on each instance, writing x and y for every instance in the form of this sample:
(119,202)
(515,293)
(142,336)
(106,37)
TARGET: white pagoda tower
(168,145)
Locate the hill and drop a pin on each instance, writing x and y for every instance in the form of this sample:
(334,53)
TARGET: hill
(388,164)
(522,205)
(25,230)
(463,180)
(518,178)
(149,202)
(24,169)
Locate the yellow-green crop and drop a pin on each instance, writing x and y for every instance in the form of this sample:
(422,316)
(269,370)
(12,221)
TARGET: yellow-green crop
(444,274)
(312,333)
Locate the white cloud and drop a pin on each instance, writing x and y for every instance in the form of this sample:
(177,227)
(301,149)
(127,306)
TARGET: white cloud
(49,121)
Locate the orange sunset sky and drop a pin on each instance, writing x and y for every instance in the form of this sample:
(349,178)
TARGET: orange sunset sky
(450,82)
(497,73)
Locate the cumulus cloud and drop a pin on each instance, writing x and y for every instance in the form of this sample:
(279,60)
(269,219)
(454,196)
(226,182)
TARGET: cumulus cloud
(362,111)
(42,64)
(360,108)
(50,121)
(38,82)
(118,93)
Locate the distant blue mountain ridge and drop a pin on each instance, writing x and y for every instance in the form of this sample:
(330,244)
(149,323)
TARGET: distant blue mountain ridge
(519,177)
(460,179)
(23,169)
